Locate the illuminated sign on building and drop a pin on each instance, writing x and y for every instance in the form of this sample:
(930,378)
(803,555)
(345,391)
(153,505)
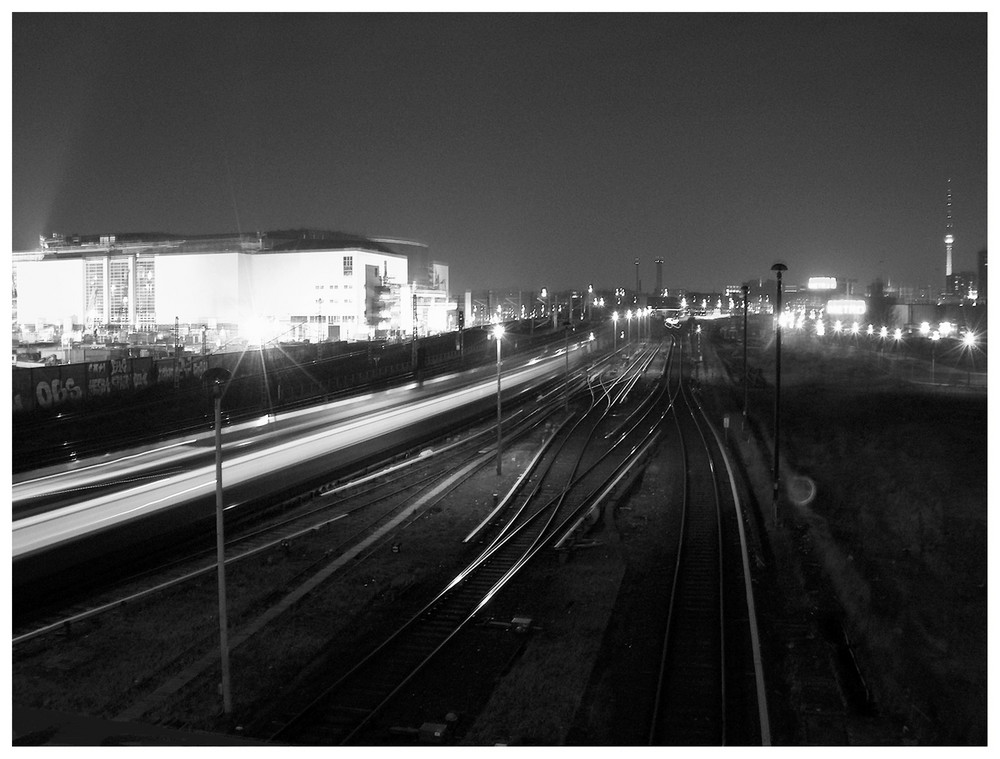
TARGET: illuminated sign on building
(846,307)
(822,283)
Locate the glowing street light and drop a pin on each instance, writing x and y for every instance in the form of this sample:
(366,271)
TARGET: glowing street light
(628,326)
(614,321)
(498,331)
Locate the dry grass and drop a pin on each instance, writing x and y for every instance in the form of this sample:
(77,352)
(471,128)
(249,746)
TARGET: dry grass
(899,524)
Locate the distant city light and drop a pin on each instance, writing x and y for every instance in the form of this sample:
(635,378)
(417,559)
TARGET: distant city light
(822,283)
(925,328)
(883,333)
(855,328)
(820,329)
(898,334)
(871,330)
(846,307)
(969,339)
(946,328)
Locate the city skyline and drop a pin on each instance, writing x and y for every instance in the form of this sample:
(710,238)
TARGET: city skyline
(524,150)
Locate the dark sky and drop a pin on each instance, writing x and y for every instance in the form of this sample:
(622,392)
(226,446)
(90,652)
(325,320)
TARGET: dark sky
(525,150)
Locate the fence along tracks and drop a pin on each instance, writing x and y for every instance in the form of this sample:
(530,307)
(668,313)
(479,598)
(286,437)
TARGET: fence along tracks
(344,709)
(710,686)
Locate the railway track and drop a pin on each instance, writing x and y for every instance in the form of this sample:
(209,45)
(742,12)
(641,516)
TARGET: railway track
(585,457)
(344,709)
(362,500)
(709,689)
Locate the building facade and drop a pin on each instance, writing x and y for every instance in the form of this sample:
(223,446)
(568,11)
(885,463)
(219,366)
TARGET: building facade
(275,287)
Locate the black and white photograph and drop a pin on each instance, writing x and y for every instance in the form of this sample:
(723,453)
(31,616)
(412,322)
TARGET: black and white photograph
(441,377)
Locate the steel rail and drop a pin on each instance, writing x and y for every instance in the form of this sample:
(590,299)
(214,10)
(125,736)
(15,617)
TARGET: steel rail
(684,583)
(758,666)
(523,425)
(491,559)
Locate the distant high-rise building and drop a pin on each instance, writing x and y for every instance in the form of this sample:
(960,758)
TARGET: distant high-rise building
(949,241)
(659,276)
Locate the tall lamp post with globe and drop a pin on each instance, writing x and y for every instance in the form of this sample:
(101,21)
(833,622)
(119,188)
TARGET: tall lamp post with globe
(778,268)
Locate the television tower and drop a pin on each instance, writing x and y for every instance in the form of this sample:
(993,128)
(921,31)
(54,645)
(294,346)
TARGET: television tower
(949,241)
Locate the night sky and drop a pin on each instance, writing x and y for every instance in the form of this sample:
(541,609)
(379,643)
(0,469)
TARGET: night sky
(526,150)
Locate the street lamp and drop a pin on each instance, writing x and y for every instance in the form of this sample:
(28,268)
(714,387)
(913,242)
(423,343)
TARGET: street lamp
(969,341)
(935,336)
(217,378)
(498,334)
(777,269)
(628,326)
(746,292)
(897,338)
(614,321)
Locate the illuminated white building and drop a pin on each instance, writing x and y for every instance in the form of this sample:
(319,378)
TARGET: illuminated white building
(283,286)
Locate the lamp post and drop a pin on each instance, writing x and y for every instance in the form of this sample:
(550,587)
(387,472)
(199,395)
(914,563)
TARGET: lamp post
(628,326)
(746,370)
(498,334)
(935,336)
(567,328)
(217,379)
(777,269)
(897,337)
(614,321)
(969,340)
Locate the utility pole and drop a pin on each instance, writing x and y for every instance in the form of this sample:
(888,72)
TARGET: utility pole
(217,378)
(746,368)
(777,269)
(498,331)
(567,328)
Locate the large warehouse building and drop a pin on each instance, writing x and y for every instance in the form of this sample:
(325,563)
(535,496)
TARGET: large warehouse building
(280,286)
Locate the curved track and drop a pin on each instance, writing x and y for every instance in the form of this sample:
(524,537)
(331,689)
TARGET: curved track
(341,712)
(707,689)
